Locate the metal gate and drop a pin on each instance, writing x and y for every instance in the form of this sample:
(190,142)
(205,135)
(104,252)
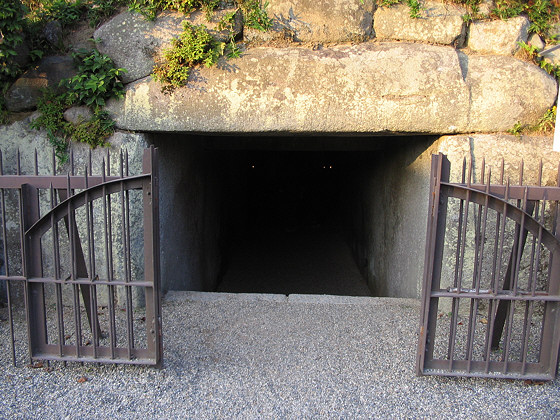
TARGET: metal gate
(97,303)
(492,277)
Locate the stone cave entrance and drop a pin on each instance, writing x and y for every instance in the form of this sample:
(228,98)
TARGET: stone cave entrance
(281,214)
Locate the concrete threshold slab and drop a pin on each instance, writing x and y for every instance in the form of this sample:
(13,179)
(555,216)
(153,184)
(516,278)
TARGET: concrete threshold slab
(194,296)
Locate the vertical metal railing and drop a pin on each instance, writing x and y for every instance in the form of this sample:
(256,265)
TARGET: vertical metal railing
(504,322)
(63,289)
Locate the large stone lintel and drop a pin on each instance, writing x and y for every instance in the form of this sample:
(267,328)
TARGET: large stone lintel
(366,88)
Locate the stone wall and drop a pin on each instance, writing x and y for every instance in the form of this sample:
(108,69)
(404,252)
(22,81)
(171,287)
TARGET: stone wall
(393,196)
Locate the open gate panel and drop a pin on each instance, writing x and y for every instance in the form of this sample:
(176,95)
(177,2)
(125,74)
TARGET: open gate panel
(87,264)
(492,277)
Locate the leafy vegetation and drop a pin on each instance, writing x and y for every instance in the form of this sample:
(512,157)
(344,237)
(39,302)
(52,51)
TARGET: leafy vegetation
(11,35)
(97,80)
(194,46)
(52,106)
(256,16)
(531,53)
(149,8)
(545,125)
(541,13)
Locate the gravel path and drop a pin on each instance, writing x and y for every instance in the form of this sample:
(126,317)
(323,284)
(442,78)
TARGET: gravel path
(271,356)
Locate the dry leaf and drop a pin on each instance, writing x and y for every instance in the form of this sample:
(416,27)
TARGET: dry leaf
(82,379)
(36,365)
(484,321)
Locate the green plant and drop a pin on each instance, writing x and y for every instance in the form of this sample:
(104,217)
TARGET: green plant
(541,13)
(95,131)
(51,107)
(102,9)
(193,46)
(227,21)
(11,35)
(415,8)
(389,3)
(66,12)
(149,8)
(506,9)
(517,129)
(256,16)
(531,53)
(96,81)
(545,124)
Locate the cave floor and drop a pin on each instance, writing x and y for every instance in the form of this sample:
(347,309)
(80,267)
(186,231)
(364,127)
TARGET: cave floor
(306,260)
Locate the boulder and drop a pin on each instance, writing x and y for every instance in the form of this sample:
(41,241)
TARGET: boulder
(53,33)
(505,91)
(22,58)
(365,88)
(133,42)
(318,21)
(25,92)
(439,23)
(485,7)
(536,41)
(498,36)
(78,114)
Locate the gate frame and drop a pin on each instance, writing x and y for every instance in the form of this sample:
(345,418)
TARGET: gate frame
(500,299)
(84,279)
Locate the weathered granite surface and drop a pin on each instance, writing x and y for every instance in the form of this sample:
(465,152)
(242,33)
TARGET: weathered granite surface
(439,23)
(133,42)
(370,87)
(498,36)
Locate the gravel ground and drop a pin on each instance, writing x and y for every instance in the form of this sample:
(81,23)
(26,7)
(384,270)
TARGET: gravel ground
(271,356)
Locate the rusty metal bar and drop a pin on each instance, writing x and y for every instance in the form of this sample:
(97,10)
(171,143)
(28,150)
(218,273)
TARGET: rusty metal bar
(509,278)
(35,309)
(109,262)
(435,231)
(129,315)
(45,181)
(128,259)
(479,256)
(58,287)
(94,322)
(70,226)
(150,199)
(7,266)
(464,215)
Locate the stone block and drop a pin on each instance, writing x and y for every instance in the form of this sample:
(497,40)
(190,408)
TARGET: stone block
(26,91)
(318,21)
(365,88)
(133,42)
(439,23)
(498,36)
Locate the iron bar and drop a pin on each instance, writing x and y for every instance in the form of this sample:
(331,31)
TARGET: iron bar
(108,261)
(58,286)
(7,266)
(129,325)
